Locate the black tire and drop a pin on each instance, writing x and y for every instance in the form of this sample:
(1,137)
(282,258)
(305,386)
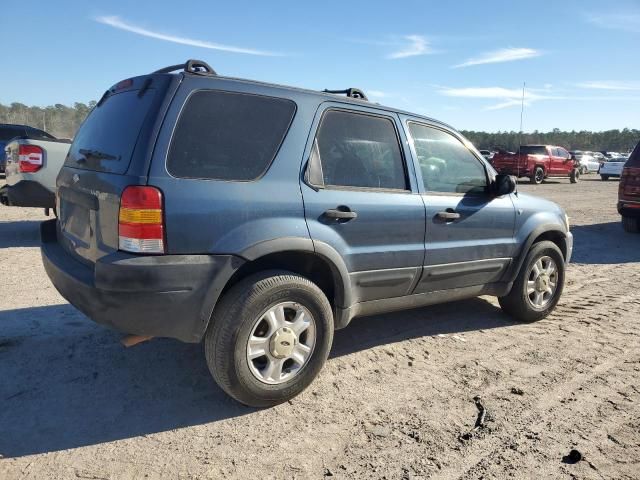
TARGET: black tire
(574,176)
(538,176)
(604,177)
(516,303)
(231,324)
(631,224)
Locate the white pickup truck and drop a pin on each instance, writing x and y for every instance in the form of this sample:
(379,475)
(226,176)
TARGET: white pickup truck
(32,165)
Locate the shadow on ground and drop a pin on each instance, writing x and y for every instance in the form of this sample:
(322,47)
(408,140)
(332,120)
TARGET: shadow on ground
(68,383)
(604,243)
(23,233)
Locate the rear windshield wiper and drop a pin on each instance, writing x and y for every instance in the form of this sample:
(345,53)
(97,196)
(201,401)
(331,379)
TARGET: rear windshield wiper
(97,154)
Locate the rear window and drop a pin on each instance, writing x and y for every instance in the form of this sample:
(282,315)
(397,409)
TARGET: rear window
(106,139)
(533,150)
(634,159)
(7,133)
(228,136)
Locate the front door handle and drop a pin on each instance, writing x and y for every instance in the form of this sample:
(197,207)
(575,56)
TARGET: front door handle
(341,213)
(448,216)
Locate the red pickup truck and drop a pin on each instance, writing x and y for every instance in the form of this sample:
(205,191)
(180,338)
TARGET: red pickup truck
(537,162)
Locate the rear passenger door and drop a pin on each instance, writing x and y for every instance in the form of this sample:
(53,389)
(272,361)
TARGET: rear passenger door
(469,231)
(361,199)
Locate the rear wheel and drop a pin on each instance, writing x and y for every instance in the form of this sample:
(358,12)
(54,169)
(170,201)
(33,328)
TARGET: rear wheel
(538,287)
(269,338)
(538,176)
(574,176)
(631,224)
(604,177)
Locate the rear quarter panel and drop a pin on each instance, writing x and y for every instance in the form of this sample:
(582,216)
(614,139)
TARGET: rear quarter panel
(236,217)
(54,156)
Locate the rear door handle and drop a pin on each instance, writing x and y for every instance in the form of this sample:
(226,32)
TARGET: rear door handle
(341,213)
(449,216)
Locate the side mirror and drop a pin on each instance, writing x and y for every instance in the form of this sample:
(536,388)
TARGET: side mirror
(504,185)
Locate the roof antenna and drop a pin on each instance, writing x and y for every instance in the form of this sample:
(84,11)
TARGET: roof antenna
(524,84)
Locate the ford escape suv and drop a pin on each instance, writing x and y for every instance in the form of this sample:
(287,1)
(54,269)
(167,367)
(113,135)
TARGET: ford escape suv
(259,218)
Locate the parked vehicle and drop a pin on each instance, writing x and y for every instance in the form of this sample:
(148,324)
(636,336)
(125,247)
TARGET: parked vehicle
(629,193)
(259,218)
(612,168)
(32,167)
(487,154)
(588,164)
(537,162)
(9,131)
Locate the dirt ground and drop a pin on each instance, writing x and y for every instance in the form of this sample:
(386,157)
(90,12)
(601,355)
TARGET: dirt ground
(395,400)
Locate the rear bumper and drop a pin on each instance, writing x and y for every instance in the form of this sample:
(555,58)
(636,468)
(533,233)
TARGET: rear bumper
(166,296)
(29,193)
(510,170)
(628,208)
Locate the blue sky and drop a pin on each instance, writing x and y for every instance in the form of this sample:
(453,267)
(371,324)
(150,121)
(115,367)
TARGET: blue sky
(462,62)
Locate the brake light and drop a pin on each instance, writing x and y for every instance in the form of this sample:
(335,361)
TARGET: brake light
(629,182)
(141,220)
(30,158)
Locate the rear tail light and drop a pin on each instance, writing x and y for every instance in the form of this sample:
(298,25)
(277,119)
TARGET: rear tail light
(141,220)
(30,158)
(629,183)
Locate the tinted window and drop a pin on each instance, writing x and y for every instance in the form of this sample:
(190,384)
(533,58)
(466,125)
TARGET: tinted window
(634,159)
(9,132)
(447,166)
(106,139)
(358,150)
(228,136)
(533,150)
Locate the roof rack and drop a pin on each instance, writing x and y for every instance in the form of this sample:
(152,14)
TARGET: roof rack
(349,92)
(197,67)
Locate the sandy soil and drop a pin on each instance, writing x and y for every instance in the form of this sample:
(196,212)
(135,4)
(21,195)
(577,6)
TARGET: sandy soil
(395,400)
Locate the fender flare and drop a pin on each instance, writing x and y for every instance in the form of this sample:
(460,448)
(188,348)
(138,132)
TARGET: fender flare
(516,265)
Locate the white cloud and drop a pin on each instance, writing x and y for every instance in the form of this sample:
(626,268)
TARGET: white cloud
(416,45)
(510,97)
(610,85)
(116,22)
(499,56)
(629,21)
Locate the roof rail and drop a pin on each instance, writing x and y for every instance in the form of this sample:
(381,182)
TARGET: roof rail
(197,67)
(349,92)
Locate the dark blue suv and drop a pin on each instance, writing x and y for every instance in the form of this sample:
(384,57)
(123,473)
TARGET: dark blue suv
(259,218)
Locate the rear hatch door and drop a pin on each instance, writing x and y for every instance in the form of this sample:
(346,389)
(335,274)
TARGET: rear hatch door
(110,151)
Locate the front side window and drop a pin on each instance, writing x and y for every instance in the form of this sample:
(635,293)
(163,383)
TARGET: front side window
(447,166)
(359,150)
(228,136)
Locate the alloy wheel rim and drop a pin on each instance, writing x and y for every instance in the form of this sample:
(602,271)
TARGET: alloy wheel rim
(542,282)
(539,175)
(281,342)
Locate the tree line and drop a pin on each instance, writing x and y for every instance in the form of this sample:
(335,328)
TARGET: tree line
(609,140)
(63,121)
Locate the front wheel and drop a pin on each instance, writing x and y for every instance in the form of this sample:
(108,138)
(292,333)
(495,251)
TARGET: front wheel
(604,177)
(574,176)
(539,284)
(269,337)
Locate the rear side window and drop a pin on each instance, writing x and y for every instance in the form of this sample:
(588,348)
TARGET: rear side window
(228,136)
(359,150)
(634,159)
(106,139)
(7,133)
(534,150)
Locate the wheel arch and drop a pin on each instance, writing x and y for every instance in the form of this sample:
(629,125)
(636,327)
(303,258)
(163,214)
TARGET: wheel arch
(321,265)
(553,233)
